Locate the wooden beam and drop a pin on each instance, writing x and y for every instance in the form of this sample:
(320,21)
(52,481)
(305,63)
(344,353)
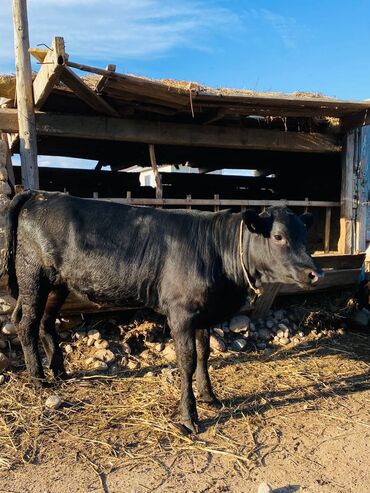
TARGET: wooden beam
(157,176)
(80,89)
(50,71)
(362,177)
(175,134)
(26,117)
(346,237)
(38,53)
(99,88)
(8,161)
(327,229)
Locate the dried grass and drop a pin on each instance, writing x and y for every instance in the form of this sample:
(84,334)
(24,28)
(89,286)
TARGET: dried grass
(128,417)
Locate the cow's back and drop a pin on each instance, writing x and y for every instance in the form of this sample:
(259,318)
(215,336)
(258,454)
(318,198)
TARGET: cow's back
(112,253)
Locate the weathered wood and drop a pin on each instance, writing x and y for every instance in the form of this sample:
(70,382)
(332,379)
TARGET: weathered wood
(265,301)
(332,279)
(38,53)
(106,128)
(225,202)
(339,262)
(84,92)
(50,71)
(99,87)
(345,243)
(26,117)
(327,229)
(8,161)
(362,189)
(157,176)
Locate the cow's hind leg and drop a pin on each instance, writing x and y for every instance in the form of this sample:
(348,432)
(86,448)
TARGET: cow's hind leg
(184,338)
(49,337)
(32,303)
(204,386)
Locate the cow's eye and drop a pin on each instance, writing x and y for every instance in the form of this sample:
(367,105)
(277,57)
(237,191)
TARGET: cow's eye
(278,237)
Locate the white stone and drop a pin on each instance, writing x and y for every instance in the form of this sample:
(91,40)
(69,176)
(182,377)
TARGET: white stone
(3,344)
(94,334)
(169,353)
(89,361)
(264,334)
(284,341)
(126,347)
(79,334)
(240,323)
(100,365)
(2,379)
(90,342)
(53,402)
(217,344)
(9,329)
(264,488)
(105,355)
(218,331)
(269,323)
(68,349)
(4,362)
(102,344)
(238,344)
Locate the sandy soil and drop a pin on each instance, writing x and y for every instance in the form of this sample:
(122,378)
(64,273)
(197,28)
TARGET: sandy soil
(303,424)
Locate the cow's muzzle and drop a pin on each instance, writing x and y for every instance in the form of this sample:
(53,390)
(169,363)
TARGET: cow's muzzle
(314,276)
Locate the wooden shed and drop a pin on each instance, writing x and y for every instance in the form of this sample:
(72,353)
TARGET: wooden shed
(307,151)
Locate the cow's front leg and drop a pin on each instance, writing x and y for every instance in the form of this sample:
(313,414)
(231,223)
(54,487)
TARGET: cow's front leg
(184,338)
(204,386)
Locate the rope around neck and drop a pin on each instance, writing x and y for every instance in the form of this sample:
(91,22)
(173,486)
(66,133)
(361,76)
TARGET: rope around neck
(257,291)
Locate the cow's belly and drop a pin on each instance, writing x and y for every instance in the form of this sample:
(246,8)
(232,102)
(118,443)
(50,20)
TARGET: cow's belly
(106,283)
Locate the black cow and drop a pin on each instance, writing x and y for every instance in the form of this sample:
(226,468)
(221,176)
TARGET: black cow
(196,268)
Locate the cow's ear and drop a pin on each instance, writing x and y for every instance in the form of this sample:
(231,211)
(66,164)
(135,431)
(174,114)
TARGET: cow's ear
(307,219)
(256,223)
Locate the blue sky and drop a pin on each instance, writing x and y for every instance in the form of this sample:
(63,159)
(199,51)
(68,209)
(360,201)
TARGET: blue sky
(320,46)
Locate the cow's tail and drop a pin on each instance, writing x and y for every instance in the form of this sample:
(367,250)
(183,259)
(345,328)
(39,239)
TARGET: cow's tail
(10,246)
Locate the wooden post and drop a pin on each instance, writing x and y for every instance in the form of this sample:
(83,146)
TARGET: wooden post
(362,189)
(345,243)
(26,117)
(327,229)
(157,176)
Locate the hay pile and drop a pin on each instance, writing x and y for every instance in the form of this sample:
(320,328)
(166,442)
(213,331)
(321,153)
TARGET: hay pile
(124,416)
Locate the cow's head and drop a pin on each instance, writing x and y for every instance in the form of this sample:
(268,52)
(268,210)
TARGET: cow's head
(277,250)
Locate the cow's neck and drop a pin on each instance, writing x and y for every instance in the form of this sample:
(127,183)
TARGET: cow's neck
(228,244)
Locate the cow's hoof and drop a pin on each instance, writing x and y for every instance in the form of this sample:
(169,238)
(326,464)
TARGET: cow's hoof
(39,383)
(188,427)
(211,401)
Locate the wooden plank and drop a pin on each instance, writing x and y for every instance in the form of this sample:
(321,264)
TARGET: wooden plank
(99,87)
(84,92)
(8,161)
(345,243)
(327,229)
(26,117)
(176,134)
(224,202)
(50,71)
(38,53)
(339,262)
(157,176)
(332,279)
(362,188)
(265,301)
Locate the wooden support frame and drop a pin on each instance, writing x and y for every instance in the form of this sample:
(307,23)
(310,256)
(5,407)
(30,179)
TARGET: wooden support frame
(49,74)
(157,176)
(81,90)
(345,243)
(176,134)
(362,189)
(25,115)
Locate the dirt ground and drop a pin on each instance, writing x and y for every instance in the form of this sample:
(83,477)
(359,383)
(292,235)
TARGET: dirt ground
(297,418)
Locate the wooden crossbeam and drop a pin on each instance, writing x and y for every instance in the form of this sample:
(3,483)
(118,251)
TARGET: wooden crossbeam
(50,71)
(77,85)
(104,78)
(175,134)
